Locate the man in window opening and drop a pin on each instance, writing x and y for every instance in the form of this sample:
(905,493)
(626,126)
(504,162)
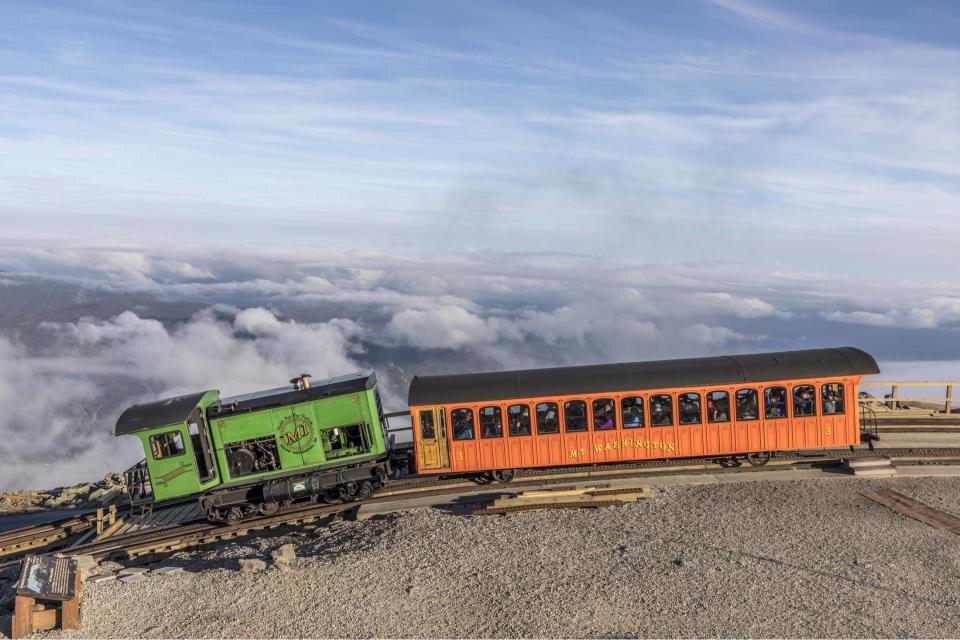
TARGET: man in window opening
(658,415)
(632,416)
(803,403)
(747,403)
(462,426)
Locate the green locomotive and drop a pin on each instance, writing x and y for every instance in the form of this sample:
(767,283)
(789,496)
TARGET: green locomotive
(252,454)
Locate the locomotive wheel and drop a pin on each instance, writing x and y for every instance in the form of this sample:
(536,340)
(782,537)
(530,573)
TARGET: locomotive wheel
(758,459)
(234,515)
(268,508)
(504,475)
(365,490)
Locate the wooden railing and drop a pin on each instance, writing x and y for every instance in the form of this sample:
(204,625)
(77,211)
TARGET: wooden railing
(894,397)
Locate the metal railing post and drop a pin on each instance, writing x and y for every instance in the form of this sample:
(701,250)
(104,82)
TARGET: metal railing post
(893,396)
(948,405)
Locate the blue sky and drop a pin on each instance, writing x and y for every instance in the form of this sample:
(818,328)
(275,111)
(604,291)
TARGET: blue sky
(815,136)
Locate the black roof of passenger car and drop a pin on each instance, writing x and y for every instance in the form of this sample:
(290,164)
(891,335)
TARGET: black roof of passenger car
(629,376)
(288,395)
(157,414)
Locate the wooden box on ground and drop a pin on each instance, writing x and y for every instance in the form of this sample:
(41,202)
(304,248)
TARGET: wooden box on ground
(52,582)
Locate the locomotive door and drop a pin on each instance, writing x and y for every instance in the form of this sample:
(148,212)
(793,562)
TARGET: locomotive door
(433,439)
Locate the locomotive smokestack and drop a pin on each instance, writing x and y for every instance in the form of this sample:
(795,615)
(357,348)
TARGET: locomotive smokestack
(301,382)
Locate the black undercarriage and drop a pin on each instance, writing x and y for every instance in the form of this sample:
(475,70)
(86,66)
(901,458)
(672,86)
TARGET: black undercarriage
(340,484)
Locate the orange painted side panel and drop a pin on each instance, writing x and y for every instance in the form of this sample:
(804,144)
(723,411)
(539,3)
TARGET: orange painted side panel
(700,439)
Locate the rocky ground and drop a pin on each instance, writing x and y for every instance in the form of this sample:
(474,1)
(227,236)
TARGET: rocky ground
(88,494)
(759,559)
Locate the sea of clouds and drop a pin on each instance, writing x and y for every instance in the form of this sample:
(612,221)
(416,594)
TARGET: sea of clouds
(257,317)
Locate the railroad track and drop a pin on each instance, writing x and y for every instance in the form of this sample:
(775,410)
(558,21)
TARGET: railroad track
(174,537)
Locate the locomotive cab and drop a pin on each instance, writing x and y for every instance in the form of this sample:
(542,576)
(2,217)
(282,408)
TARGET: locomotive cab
(178,457)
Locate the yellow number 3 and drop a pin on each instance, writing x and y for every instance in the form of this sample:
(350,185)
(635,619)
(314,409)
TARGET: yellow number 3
(829,431)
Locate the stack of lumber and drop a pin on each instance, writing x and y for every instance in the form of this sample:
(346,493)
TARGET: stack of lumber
(567,498)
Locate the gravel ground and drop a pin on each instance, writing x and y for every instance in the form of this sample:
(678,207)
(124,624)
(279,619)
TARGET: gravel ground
(758,559)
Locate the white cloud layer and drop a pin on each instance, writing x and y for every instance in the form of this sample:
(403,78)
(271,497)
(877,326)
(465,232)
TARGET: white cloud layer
(266,315)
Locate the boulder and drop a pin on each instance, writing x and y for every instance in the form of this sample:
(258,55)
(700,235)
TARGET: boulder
(285,554)
(252,564)
(86,565)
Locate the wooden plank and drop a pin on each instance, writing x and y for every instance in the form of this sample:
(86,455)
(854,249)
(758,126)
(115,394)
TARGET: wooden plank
(22,625)
(915,509)
(70,611)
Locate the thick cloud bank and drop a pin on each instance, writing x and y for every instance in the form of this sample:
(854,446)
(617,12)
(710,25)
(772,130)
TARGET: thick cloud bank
(84,332)
(61,403)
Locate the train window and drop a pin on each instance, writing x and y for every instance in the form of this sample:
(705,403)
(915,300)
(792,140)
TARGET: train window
(575,416)
(661,410)
(462,421)
(604,417)
(167,445)
(688,406)
(427,430)
(631,415)
(718,406)
(775,402)
(747,404)
(804,401)
(548,418)
(491,422)
(518,417)
(832,398)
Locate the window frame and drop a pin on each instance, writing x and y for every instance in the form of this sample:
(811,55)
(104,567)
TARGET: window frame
(433,425)
(786,409)
(650,401)
(453,425)
(556,410)
(841,387)
(510,432)
(680,421)
(793,397)
(736,407)
(706,396)
(499,414)
(586,417)
(175,432)
(643,417)
(613,413)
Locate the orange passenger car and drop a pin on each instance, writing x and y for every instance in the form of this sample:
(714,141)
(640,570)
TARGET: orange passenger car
(726,407)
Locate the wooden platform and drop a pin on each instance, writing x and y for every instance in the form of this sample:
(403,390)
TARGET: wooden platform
(566,498)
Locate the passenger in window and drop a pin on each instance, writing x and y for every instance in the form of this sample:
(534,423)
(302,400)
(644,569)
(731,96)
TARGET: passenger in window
(774,399)
(575,412)
(603,418)
(747,405)
(832,399)
(548,419)
(718,406)
(803,401)
(462,420)
(661,411)
(518,416)
(632,413)
(491,425)
(688,405)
